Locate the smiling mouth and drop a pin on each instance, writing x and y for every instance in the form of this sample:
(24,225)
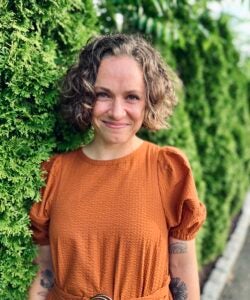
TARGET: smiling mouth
(117,125)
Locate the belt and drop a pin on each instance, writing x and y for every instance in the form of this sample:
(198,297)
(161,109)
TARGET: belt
(58,294)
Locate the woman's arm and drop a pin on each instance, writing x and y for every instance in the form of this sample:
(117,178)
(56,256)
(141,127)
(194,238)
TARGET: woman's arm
(44,279)
(183,270)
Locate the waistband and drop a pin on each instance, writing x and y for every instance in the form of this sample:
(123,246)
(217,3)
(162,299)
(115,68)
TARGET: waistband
(58,294)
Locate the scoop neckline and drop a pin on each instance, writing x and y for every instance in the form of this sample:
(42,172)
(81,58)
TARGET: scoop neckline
(110,161)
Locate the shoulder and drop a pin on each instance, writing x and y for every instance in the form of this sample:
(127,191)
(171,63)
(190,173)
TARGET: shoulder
(170,160)
(48,166)
(55,162)
(173,159)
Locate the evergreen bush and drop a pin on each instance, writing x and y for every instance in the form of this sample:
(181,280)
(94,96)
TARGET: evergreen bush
(38,40)
(219,127)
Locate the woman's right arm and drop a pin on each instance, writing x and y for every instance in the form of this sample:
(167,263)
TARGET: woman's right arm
(44,279)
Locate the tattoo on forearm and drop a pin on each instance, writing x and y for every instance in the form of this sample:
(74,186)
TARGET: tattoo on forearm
(178,289)
(47,280)
(178,248)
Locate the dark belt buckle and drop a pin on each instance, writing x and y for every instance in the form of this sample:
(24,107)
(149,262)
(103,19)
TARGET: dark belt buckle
(100,297)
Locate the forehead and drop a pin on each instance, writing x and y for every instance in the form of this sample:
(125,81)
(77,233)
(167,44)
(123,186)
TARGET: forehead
(120,68)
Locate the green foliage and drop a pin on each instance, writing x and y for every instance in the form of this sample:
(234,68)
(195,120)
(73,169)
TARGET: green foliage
(212,125)
(38,40)
(218,125)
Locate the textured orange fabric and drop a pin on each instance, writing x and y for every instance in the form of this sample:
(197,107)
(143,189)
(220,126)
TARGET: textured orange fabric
(108,222)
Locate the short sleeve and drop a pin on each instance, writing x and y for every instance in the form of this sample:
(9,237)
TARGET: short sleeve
(184,212)
(40,212)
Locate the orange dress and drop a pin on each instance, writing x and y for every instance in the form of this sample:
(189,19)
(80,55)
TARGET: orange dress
(108,222)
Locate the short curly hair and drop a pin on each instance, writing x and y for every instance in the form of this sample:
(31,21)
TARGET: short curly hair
(77,95)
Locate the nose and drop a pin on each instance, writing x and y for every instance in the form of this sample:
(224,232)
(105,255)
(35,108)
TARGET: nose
(117,110)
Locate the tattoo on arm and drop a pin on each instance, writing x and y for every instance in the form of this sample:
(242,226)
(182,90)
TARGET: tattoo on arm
(47,280)
(178,248)
(178,289)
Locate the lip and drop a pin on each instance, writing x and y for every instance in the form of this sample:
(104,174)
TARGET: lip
(117,125)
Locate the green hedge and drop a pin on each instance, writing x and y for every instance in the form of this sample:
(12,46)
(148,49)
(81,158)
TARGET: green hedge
(221,130)
(38,40)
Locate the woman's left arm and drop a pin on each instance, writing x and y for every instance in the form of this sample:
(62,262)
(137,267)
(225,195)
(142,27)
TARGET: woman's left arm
(183,270)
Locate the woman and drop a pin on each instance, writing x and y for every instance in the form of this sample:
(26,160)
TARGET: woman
(118,216)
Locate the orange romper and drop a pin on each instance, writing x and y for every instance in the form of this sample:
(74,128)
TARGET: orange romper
(108,222)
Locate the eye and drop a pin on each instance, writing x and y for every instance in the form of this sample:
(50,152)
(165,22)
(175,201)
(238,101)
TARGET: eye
(102,96)
(133,97)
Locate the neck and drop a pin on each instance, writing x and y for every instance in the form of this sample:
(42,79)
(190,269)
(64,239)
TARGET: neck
(101,151)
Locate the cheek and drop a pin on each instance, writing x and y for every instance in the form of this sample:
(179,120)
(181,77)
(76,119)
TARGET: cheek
(99,109)
(137,116)
(138,112)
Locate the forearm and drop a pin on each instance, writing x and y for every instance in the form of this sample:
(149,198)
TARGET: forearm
(183,270)
(42,284)
(184,284)
(44,279)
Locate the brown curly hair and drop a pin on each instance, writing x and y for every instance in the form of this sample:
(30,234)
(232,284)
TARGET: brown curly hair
(77,92)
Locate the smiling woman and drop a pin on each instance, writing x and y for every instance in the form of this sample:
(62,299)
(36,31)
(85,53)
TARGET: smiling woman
(78,89)
(118,216)
(119,108)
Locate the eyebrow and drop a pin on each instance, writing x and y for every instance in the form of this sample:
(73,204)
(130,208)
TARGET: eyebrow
(102,88)
(108,90)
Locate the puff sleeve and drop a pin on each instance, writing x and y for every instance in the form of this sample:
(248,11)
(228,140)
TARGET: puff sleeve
(184,212)
(40,212)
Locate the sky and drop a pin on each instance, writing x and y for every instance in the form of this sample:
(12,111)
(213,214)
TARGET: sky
(240,24)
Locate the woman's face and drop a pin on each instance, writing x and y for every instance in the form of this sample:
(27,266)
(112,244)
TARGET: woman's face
(120,100)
